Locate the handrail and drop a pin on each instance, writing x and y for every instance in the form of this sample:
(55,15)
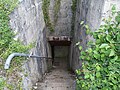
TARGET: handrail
(11,56)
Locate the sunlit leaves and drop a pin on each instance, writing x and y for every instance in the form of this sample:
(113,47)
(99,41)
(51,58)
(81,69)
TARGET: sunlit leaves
(98,74)
(82,22)
(112,52)
(104,45)
(77,43)
(117,18)
(80,47)
(101,60)
(98,68)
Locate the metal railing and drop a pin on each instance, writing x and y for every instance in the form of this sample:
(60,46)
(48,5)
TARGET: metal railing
(11,56)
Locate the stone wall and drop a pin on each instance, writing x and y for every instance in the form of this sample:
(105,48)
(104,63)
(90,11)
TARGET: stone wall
(62,20)
(27,21)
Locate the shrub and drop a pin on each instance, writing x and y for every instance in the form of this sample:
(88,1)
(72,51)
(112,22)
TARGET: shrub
(101,60)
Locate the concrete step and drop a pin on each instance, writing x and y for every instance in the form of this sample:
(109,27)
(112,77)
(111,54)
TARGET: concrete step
(58,79)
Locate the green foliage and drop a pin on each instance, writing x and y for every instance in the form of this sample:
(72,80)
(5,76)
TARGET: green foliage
(8,45)
(45,8)
(5,34)
(101,60)
(2,83)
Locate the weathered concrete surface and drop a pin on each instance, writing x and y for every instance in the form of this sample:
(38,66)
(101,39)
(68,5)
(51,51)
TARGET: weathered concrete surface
(27,21)
(62,27)
(58,79)
(88,11)
(108,5)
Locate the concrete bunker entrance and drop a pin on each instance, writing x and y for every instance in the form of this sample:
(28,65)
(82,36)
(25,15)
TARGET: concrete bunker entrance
(60,77)
(60,48)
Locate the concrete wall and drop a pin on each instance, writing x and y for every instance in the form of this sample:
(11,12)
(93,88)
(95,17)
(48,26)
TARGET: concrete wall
(62,27)
(27,21)
(88,11)
(107,7)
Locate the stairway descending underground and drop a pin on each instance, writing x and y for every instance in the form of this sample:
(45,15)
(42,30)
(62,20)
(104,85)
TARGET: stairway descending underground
(58,79)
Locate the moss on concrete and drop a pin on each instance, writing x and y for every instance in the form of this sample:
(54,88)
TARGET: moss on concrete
(73,7)
(45,8)
(56,10)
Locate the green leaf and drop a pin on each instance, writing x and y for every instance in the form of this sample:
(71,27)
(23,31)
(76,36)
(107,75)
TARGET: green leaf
(78,72)
(88,58)
(96,55)
(112,53)
(117,18)
(115,87)
(98,74)
(87,76)
(98,68)
(108,38)
(104,45)
(87,31)
(89,50)
(114,81)
(86,26)
(113,7)
(116,57)
(80,47)
(77,43)
(81,22)
(92,77)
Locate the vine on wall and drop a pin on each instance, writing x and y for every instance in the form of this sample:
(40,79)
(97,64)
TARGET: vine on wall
(56,10)
(45,8)
(73,7)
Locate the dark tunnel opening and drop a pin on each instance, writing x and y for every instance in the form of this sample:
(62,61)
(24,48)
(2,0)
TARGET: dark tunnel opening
(60,48)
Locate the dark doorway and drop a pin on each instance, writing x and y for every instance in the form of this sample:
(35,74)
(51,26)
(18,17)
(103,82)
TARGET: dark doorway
(60,47)
(61,57)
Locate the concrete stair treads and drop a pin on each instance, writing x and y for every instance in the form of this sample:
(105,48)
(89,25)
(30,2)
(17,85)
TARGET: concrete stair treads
(58,79)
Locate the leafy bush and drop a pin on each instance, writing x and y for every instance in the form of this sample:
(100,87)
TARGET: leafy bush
(101,60)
